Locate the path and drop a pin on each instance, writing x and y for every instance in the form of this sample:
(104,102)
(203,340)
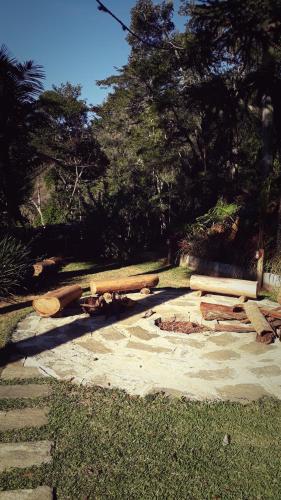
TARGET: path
(23,454)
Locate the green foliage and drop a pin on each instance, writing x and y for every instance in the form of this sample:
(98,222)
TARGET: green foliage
(15,266)
(222,214)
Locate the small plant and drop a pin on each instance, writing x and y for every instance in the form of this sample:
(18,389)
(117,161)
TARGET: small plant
(15,266)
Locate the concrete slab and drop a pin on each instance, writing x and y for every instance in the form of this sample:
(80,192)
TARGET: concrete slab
(25,417)
(19,391)
(18,370)
(24,455)
(40,493)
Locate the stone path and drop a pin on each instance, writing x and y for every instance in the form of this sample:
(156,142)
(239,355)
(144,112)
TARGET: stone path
(25,417)
(41,493)
(131,353)
(24,454)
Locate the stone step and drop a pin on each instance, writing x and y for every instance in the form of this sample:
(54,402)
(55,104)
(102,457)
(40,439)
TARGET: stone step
(26,417)
(40,493)
(25,454)
(18,370)
(19,391)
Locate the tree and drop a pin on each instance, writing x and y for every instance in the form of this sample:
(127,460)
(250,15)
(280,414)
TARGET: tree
(68,150)
(20,84)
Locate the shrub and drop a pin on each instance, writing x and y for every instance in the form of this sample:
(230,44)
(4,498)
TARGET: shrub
(15,266)
(209,233)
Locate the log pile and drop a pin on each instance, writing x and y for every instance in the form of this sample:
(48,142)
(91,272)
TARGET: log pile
(108,304)
(265,321)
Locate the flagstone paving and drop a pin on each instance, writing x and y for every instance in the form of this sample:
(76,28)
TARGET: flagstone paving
(40,493)
(133,354)
(25,417)
(25,454)
(19,391)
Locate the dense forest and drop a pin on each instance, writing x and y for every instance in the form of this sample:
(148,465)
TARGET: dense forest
(186,147)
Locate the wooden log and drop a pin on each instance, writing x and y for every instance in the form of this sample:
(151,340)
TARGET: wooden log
(53,302)
(47,265)
(257,319)
(124,284)
(225,286)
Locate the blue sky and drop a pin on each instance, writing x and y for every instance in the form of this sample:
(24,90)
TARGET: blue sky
(70,38)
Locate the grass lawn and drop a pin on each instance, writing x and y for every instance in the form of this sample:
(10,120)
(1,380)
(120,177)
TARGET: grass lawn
(110,445)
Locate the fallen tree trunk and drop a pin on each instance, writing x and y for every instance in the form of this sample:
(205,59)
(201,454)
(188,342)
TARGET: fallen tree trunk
(53,302)
(47,265)
(124,284)
(225,286)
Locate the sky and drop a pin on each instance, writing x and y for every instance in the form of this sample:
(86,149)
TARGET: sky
(71,39)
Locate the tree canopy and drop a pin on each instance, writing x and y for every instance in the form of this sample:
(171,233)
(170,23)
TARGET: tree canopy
(190,128)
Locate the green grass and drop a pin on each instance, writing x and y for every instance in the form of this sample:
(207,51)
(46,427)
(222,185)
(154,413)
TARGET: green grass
(8,322)
(110,445)
(83,272)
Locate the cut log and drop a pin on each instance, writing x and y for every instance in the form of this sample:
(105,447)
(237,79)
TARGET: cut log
(225,286)
(257,319)
(47,265)
(124,284)
(53,302)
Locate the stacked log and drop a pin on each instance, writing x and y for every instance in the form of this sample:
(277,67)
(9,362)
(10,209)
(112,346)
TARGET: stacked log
(225,286)
(130,284)
(54,302)
(248,312)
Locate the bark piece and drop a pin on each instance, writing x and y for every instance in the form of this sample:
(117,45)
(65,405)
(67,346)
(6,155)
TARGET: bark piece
(53,302)
(124,284)
(226,286)
(233,328)
(219,312)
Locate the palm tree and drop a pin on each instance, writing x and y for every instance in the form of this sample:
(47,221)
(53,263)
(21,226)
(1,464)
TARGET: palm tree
(20,84)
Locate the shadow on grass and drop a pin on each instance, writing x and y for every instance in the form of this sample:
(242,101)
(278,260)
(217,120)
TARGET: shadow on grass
(95,268)
(56,337)
(16,306)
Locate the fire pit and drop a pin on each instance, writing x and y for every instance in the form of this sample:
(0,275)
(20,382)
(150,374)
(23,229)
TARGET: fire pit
(109,304)
(187,327)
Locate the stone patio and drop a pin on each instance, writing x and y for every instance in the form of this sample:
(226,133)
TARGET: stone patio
(131,353)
